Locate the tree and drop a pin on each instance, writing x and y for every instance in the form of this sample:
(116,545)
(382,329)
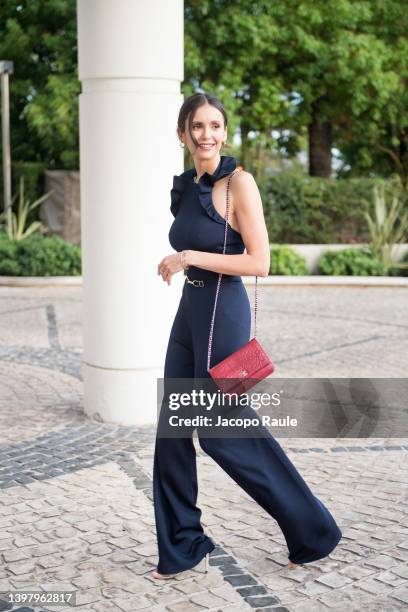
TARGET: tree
(334,61)
(327,66)
(40,38)
(377,139)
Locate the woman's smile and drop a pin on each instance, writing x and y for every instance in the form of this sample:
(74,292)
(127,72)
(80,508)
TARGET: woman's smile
(207,147)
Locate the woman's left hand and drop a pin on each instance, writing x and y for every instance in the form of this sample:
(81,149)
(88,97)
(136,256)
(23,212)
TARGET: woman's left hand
(169,266)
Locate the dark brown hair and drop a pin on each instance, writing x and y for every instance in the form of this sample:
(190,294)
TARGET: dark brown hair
(189,107)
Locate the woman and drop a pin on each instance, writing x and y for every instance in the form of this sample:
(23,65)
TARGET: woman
(258,465)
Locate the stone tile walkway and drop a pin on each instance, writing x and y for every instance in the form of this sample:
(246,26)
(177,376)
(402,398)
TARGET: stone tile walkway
(76,508)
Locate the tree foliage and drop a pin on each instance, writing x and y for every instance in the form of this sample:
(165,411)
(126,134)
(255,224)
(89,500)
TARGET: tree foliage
(40,38)
(292,63)
(294,75)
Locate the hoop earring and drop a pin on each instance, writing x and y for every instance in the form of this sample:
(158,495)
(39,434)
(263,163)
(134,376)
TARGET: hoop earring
(182,145)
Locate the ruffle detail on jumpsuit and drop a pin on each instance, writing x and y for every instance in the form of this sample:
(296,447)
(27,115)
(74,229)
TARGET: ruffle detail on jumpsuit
(179,184)
(226,165)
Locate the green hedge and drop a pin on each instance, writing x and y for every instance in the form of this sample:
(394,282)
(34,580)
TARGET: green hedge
(284,260)
(350,261)
(39,255)
(300,209)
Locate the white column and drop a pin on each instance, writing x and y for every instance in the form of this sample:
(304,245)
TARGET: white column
(130,56)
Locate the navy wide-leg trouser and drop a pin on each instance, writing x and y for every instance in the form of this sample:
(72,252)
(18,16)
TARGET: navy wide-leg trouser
(258,465)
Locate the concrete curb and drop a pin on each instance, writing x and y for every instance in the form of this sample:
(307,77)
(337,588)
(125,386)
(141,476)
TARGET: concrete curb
(296,281)
(330,281)
(40,281)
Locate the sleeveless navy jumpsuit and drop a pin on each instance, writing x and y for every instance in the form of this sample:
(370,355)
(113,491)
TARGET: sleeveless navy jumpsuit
(258,465)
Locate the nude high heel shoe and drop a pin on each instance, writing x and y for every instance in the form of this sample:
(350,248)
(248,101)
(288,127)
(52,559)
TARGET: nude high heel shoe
(292,565)
(158,576)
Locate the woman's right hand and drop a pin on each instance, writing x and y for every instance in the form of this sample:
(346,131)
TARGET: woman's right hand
(169,265)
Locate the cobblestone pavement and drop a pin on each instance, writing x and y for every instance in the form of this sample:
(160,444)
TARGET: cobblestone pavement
(76,495)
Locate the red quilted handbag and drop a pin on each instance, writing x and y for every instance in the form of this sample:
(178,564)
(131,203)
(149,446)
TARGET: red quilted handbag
(243,369)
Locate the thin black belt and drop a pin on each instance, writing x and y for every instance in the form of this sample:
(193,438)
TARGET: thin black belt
(197,279)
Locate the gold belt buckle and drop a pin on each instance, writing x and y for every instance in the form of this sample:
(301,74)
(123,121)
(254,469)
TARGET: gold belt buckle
(195,282)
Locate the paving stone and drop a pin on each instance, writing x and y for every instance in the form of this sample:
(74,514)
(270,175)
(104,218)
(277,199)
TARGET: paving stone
(345,599)
(228,593)
(334,580)
(401,594)
(128,604)
(307,606)
(185,606)
(112,592)
(20,567)
(262,567)
(300,574)
(188,587)
(246,554)
(389,577)
(210,580)
(277,582)
(231,570)
(207,599)
(14,555)
(381,562)
(63,475)
(118,576)
(146,550)
(100,549)
(400,555)
(103,606)
(139,567)
(401,570)
(166,595)
(22,581)
(223,560)
(261,601)
(237,607)
(371,585)
(355,572)
(88,596)
(345,556)
(243,580)
(288,598)
(252,590)
(127,542)
(53,560)
(313,588)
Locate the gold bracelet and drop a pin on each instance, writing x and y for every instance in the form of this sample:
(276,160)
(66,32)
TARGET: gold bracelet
(182,260)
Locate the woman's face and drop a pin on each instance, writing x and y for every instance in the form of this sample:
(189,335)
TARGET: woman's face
(208,129)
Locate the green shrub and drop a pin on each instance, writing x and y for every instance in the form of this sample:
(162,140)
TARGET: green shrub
(403,272)
(34,179)
(19,228)
(285,260)
(352,261)
(388,228)
(300,209)
(39,255)
(9,264)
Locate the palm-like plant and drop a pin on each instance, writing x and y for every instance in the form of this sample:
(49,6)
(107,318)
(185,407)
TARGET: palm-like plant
(388,227)
(18,229)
